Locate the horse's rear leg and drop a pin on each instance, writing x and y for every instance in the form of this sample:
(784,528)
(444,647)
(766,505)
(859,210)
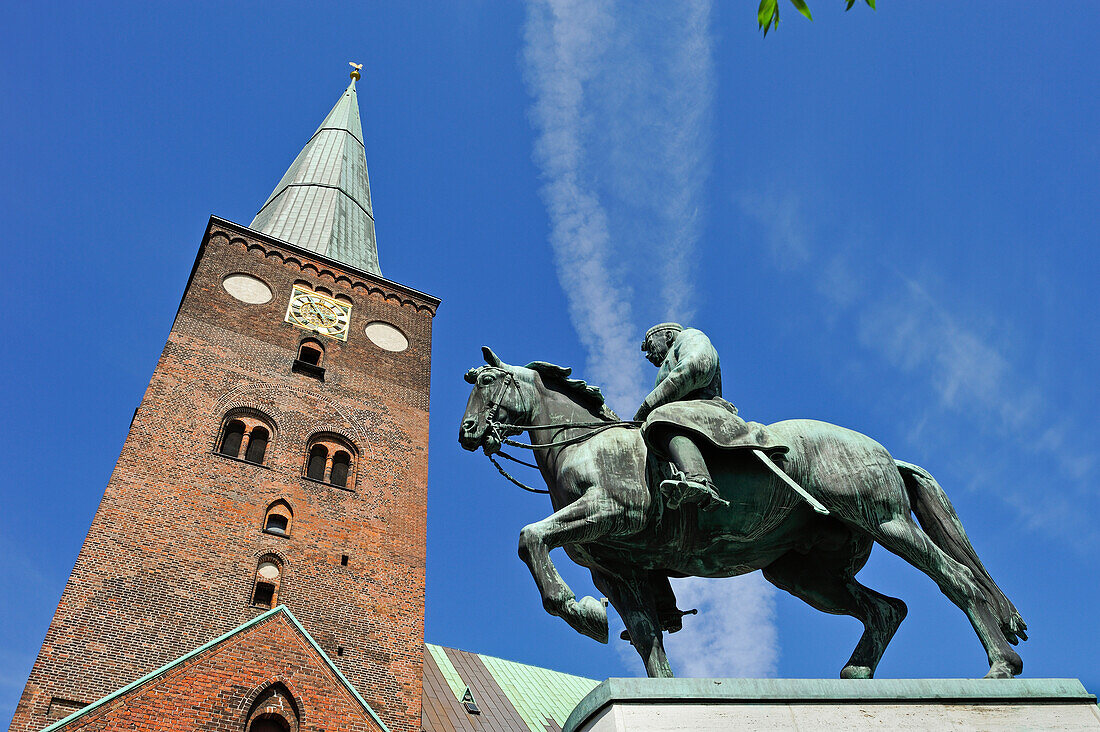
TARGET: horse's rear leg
(903,537)
(826,582)
(632,596)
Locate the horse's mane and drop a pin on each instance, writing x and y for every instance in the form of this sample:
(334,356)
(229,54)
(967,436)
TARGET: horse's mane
(589,396)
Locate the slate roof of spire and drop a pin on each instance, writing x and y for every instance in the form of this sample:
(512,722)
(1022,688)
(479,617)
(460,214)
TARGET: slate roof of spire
(323,201)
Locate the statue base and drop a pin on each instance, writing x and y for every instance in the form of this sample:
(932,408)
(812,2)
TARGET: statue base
(705,705)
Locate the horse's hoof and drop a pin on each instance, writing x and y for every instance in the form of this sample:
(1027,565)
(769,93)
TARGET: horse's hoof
(857,672)
(591,618)
(1003,670)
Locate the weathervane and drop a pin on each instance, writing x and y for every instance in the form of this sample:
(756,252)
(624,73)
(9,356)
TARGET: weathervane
(355,70)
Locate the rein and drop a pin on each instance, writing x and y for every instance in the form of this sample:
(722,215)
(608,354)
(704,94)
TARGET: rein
(497,428)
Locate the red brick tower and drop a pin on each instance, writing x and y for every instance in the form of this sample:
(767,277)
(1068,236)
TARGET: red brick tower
(279,457)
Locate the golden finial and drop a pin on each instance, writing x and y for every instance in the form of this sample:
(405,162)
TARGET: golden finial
(355,70)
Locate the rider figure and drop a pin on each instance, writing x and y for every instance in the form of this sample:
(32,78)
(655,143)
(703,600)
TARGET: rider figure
(686,410)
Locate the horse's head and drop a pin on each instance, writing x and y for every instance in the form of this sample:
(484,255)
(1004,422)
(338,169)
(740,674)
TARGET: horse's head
(497,400)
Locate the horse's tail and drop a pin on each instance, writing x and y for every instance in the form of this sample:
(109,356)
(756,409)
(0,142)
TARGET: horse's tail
(938,519)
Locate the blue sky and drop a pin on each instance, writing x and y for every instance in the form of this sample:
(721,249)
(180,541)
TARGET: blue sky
(883,220)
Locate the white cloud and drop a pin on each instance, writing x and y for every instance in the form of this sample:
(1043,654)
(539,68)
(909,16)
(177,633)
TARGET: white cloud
(622,101)
(900,319)
(734,634)
(785,232)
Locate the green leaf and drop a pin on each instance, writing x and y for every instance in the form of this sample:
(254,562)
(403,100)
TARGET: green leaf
(850,4)
(765,13)
(871,3)
(803,8)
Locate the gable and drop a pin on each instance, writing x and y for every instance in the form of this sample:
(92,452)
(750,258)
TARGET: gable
(269,665)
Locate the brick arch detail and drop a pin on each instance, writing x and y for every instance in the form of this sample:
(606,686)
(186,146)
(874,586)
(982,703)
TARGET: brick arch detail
(245,407)
(318,270)
(249,699)
(262,398)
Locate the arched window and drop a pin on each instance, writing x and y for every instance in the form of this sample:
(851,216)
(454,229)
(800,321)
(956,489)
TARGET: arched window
(318,456)
(257,445)
(231,438)
(246,434)
(265,588)
(331,459)
(310,355)
(311,351)
(341,461)
(275,710)
(278,517)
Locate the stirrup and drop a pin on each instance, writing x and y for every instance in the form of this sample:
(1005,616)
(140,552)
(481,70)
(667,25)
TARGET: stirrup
(680,490)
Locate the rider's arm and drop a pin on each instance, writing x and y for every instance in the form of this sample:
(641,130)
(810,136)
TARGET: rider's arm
(694,369)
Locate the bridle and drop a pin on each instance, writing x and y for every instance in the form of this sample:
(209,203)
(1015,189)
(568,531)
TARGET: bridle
(497,429)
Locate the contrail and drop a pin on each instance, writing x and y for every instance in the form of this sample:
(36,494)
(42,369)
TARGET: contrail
(622,104)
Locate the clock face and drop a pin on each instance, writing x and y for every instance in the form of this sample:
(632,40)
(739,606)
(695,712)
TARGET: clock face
(318,313)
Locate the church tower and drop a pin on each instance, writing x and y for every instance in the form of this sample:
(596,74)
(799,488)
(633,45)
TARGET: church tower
(264,527)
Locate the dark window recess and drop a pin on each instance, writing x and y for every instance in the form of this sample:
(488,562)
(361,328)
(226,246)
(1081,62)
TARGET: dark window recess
(231,438)
(310,355)
(269,724)
(257,445)
(308,362)
(339,650)
(469,703)
(341,461)
(263,594)
(316,467)
(61,708)
(344,560)
(276,524)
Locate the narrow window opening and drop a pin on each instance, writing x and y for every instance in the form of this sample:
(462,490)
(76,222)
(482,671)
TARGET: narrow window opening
(344,560)
(264,594)
(257,445)
(339,650)
(317,458)
(231,438)
(310,355)
(277,524)
(341,462)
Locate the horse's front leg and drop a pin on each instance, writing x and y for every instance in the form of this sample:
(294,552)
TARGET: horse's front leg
(586,519)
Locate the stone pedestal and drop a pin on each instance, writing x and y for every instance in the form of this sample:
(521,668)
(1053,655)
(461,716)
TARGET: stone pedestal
(706,705)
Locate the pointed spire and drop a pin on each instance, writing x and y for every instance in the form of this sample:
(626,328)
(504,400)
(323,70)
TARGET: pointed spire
(323,201)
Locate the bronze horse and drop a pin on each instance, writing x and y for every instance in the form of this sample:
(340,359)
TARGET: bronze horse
(606,518)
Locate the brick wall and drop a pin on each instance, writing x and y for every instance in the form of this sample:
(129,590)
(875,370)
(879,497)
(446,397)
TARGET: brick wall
(170,558)
(220,689)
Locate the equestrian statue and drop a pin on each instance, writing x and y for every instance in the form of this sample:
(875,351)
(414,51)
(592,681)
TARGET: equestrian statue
(689,489)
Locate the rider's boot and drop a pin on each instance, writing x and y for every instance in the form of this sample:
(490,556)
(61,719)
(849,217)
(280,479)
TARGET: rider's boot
(692,482)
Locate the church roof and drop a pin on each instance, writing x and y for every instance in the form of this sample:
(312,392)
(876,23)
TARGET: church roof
(508,695)
(323,201)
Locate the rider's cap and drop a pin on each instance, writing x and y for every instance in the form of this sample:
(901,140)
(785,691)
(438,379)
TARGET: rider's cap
(659,327)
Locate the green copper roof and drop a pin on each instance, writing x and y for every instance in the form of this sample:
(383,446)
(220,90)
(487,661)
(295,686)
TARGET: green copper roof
(323,201)
(536,694)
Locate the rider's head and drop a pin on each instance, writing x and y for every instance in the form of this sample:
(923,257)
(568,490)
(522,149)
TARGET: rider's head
(657,341)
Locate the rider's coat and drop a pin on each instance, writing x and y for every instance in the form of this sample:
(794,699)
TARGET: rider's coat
(687,398)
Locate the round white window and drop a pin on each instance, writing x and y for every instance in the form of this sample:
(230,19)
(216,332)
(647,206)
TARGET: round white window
(386,337)
(268,570)
(247,288)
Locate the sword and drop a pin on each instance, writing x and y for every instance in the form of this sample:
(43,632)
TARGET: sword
(814,503)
